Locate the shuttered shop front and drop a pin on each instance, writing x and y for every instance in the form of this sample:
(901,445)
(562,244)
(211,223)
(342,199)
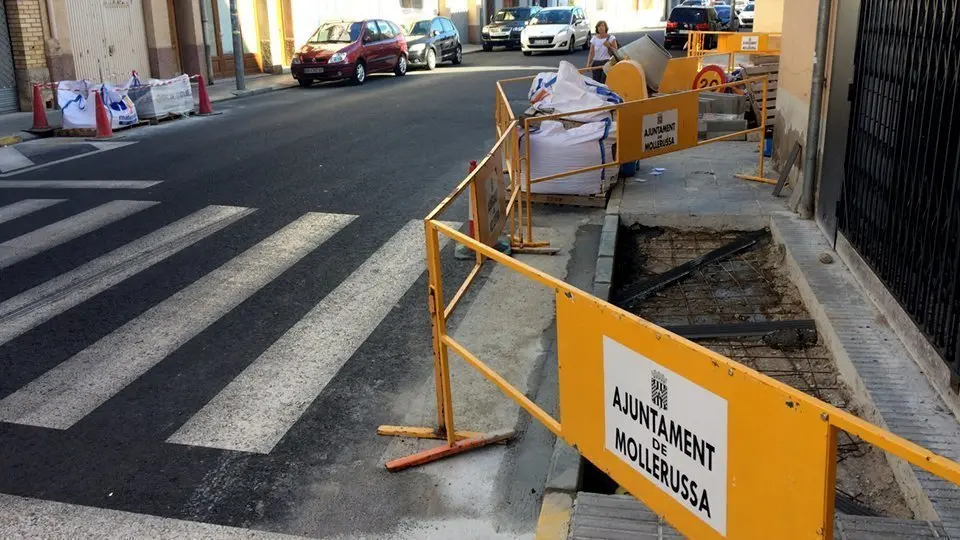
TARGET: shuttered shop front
(8,83)
(108,39)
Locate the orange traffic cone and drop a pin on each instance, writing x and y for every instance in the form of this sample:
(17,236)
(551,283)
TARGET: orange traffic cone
(205,108)
(39,111)
(104,127)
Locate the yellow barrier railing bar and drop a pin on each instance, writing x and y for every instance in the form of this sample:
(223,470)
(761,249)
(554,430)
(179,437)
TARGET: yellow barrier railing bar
(548,421)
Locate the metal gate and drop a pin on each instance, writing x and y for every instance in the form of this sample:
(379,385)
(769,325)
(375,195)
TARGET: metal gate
(900,204)
(109,39)
(8,82)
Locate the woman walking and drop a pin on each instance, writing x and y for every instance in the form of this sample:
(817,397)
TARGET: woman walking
(602,46)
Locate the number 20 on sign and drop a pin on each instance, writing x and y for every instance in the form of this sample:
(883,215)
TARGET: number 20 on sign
(709,76)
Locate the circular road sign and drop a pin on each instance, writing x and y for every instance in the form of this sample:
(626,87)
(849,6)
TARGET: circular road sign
(709,76)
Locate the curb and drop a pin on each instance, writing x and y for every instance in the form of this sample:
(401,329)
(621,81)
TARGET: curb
(563,477)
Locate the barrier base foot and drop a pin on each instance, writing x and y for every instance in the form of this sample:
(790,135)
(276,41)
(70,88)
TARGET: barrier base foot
(537,250)
(424,433)
(447,450)
(756,179)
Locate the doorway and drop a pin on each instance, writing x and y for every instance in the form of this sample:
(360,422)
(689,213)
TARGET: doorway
(221,50)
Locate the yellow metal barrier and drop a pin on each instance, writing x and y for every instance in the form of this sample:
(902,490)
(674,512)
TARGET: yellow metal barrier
(645,128)
(730,44)
(716,448)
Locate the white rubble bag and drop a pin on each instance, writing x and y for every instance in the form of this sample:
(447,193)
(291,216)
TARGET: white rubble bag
(569,91)
(555,149)
(76,100)
(159,97)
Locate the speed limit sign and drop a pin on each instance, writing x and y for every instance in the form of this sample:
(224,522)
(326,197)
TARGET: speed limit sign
(709,76)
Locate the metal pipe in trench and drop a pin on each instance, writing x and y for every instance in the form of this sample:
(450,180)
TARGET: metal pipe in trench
(816,107)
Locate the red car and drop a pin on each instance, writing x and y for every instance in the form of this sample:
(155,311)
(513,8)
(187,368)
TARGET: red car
(351,50)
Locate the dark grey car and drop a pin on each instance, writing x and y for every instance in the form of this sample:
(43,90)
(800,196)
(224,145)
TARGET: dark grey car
(432,41)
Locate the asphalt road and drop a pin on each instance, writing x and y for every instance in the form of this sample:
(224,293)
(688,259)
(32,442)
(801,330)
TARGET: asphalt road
(141,328)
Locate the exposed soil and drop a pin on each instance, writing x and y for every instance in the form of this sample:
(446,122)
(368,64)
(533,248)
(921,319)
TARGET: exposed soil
(753,286)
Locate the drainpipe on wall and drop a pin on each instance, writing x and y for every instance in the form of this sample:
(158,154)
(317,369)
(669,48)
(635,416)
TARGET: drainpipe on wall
(810,150)
(51,20)
(206,41)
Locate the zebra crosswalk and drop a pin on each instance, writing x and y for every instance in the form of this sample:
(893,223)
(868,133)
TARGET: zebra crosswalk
(264,401)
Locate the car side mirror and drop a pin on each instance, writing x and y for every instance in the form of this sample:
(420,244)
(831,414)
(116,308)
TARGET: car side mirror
(435,33)
(367,39)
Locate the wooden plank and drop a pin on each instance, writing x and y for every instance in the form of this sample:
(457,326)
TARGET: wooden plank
(755,71)
(782,181)
(589,201)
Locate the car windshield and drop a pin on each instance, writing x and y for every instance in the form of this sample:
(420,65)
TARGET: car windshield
(688,15)
(505,15)
(748,8)
(552,16)
(420,28)
(337,33)
(723,12)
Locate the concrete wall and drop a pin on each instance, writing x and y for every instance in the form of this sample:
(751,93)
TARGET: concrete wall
(27,39)
(793,87)
(163,58)
(769,14)
(190,36)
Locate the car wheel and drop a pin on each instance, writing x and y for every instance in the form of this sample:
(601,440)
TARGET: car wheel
(401,68)
(586,44)
(458,56)
(431,60)
(487,47)
(305,82)
(527,53)
(572,44)
(360,74)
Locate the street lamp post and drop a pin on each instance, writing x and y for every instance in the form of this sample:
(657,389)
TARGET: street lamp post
(237,45)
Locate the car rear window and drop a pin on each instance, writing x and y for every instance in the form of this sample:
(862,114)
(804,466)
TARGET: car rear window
(723,12)
(688,15)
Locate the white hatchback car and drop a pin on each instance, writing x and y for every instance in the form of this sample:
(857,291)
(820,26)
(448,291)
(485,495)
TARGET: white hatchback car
(556,29)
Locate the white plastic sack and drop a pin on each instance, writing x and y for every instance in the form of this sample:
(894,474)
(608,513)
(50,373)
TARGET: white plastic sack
(76,100)
(569,91)
(555,150)
(157,98)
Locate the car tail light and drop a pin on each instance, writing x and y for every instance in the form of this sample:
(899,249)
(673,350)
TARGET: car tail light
(671,26)
(702,26)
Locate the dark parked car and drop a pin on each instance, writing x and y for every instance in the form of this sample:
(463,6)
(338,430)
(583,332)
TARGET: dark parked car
(433,40)
(505,27)
(351,50)
(684,19)
(729,22)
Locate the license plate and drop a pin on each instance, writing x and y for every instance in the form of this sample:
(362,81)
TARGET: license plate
(684,31)
(541,40)
(312,70)
(503,34)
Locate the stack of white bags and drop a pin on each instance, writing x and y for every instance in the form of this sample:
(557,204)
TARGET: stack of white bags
(556,149)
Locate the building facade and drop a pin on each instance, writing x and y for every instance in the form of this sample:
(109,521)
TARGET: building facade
(105,40)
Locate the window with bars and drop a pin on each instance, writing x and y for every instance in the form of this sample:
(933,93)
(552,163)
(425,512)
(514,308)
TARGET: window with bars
(411,4)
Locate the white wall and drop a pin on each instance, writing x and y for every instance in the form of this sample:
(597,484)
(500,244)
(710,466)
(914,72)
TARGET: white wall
(309,14)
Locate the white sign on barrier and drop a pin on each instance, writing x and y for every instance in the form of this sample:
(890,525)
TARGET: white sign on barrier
(750,43)
(660,130)
(668,429)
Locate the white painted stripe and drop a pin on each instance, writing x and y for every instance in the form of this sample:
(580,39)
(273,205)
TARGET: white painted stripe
(11,159)
(77,184)
(257,408)
(101,147)
(67,393)
(24,207)
(24,517)
(40,240)
(43,302)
